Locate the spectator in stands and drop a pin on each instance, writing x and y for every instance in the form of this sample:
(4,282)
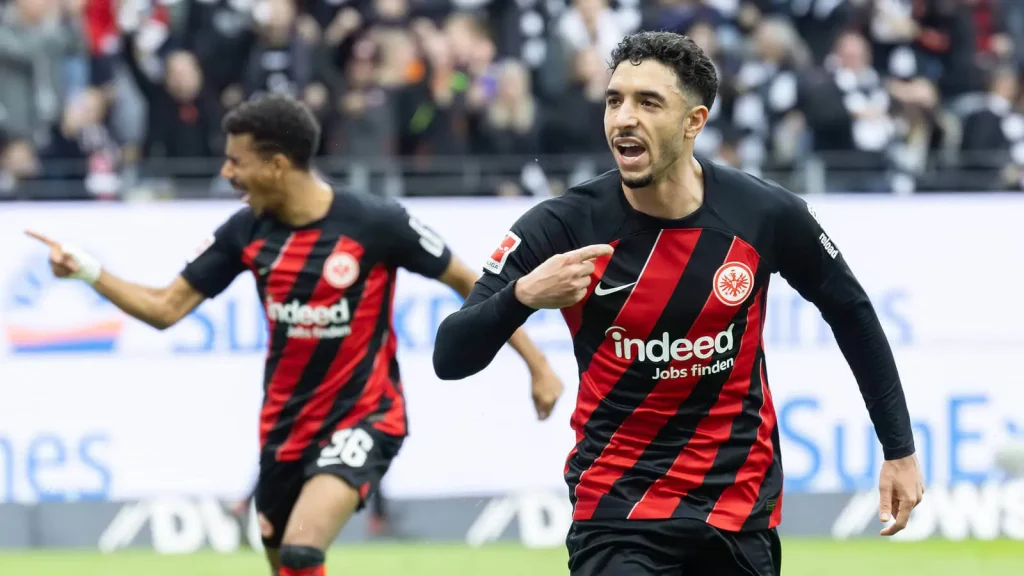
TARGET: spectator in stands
(876,85)
(993,135)
(848,111)
(221,34)
(593,23)
(365,126)
(765,97)
(18,162)
(37,37)
(510,124)
(571,126)
(679,16)
(182,112)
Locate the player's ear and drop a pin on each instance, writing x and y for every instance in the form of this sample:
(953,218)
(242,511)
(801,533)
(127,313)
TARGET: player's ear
(280,163)
(694,121)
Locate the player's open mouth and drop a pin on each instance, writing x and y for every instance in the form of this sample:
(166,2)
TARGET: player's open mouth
(240,191)
(630,150)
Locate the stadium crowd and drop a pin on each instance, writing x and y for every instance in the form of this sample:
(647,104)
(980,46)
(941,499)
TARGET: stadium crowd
(876,95)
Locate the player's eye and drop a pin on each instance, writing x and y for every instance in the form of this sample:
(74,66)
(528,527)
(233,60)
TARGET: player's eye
(613,101)
(649,104)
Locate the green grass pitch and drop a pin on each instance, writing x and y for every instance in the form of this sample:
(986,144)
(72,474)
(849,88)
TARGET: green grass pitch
(800,558)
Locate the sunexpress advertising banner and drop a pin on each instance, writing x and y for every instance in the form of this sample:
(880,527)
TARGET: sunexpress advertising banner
(96,406)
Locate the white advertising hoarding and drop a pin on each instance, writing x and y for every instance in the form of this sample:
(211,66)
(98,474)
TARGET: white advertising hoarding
(96,405)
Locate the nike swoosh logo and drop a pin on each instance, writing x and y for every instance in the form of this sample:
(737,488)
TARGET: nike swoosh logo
(605,291)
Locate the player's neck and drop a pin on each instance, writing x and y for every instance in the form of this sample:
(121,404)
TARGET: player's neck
(309,200)
(676,194)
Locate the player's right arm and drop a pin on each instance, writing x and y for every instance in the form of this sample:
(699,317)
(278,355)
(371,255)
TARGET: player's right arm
(534,267)
(206,275)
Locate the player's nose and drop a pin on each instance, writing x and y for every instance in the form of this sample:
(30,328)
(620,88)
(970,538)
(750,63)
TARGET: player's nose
(225,171)
(625,116)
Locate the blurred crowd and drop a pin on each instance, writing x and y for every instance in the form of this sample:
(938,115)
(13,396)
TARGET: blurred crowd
(882,95)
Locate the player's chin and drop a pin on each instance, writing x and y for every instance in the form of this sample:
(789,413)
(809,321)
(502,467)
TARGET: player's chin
(636,178)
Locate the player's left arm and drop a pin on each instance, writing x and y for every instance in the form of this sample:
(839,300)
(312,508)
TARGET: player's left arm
(421,250)
(808,258)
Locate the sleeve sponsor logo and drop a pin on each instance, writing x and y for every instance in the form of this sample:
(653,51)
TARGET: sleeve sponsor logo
(202,247)
(823,238)
(496,262)
(429,240)
(827,244)
(810,209)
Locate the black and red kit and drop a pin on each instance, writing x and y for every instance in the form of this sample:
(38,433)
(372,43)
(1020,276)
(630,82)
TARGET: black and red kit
(674,416)
(333,397)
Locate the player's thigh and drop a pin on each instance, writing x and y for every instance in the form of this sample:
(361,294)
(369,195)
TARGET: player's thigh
(277,491)
(621,548)
(751,553)
(340,480)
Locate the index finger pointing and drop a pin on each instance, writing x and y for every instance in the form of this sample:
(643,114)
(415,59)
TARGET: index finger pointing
(591,252)
(41,238)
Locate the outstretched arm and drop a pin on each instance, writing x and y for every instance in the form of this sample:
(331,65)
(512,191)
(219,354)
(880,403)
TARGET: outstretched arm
(161,308)
(207,274)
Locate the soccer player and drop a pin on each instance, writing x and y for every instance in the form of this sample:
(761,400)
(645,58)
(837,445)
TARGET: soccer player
(660,269)
(325,263)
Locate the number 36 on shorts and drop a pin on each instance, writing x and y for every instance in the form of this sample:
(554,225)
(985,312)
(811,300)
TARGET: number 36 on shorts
(349,447)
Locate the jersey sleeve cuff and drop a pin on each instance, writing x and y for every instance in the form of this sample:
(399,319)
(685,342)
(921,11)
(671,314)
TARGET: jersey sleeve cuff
(515,311)
(193,280)
(898,452)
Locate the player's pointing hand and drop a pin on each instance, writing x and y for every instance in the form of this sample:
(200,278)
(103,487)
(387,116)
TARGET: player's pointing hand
(562,280)
(69,261)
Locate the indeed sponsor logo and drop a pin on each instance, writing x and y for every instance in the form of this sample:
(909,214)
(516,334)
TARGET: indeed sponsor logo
(311,321)
(665,348)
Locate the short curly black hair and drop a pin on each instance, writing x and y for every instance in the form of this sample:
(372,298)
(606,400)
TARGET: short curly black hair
(692,66)
(278,124)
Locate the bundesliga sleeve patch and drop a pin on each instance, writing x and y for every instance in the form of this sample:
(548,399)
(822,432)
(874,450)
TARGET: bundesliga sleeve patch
(203,247)
(496,262)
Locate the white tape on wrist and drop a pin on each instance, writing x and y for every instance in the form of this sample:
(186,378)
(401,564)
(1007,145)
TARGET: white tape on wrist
(89,267)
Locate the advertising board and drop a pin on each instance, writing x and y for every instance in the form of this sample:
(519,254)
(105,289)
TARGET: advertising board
(97,406)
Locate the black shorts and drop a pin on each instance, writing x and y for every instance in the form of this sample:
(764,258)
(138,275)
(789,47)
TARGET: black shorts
(676,547)
(360,463)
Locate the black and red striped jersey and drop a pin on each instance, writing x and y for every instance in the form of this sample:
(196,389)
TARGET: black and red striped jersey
(674,416)
(327,289)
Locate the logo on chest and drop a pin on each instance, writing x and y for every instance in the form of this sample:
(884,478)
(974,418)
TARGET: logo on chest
(341,270)
(732,283)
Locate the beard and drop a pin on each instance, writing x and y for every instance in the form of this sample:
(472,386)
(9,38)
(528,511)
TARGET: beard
(641,181)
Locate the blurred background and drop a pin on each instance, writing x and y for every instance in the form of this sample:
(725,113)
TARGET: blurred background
(124,450)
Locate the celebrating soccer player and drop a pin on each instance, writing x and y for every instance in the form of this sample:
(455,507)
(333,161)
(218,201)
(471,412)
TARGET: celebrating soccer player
(325,263)
(661,271)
